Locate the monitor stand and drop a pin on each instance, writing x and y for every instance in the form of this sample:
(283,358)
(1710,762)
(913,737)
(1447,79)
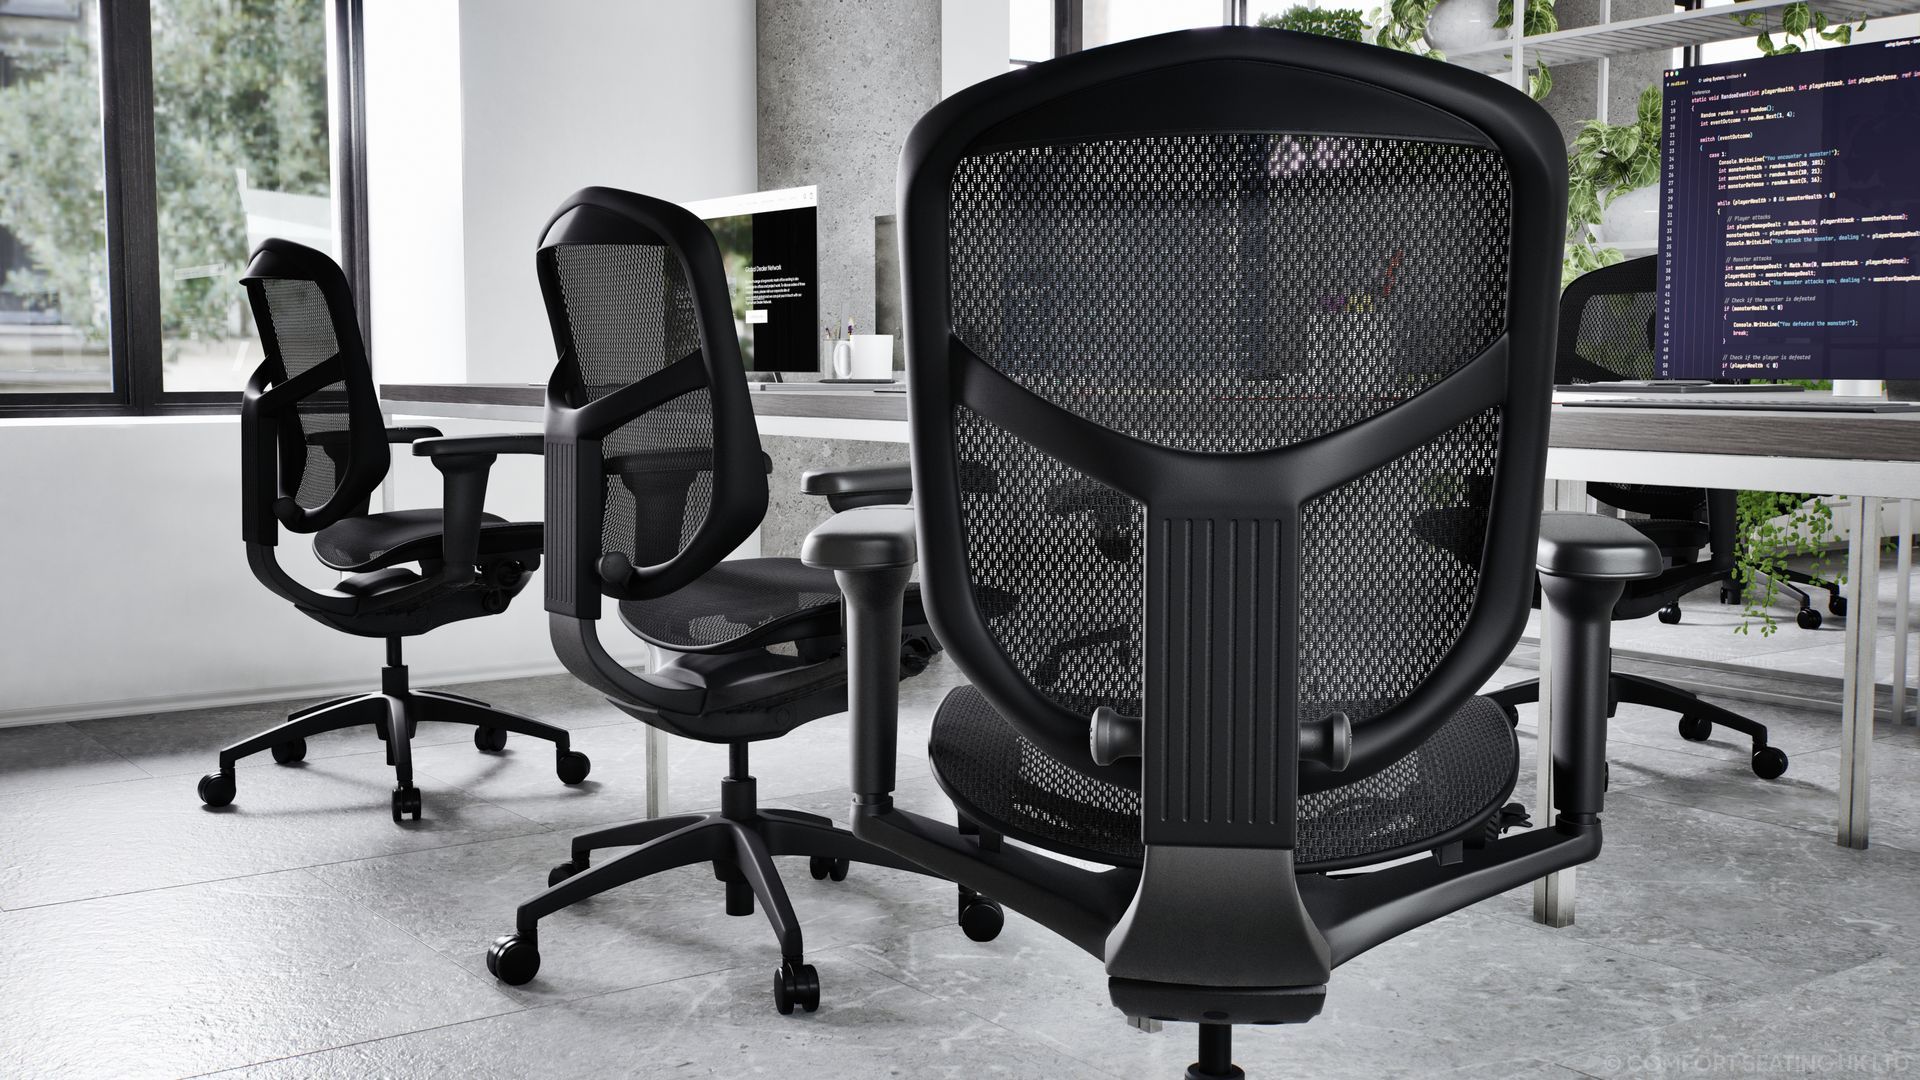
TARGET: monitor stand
(1857,388)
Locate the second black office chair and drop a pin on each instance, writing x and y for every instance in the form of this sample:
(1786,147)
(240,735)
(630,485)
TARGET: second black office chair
(313,451)
(654,475)
(1606,333)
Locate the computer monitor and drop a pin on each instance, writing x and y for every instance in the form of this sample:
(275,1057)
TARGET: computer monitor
(769,243)
(1790,217)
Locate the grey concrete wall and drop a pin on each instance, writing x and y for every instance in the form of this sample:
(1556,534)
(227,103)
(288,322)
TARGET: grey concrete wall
(1575,96)
(841,82)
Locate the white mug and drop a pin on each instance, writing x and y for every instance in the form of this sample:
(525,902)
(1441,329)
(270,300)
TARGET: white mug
(872,357)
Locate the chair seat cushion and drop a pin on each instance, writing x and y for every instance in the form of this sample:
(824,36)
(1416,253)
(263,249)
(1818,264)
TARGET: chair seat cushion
(377,540)
(1460,776)
(743,603)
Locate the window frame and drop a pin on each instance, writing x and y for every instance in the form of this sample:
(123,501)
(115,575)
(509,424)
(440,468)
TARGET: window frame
(132,215)
(1069,23)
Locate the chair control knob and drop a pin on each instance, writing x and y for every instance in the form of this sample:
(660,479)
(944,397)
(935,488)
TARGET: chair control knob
(1114,737)
(1328,740)
(614,568)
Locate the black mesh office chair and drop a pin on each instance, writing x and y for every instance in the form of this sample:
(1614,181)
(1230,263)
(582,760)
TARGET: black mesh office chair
(1263,300)
(654,475)
(1606,334)
(313,451)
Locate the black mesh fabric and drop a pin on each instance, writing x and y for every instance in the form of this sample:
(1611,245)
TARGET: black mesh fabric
(1458,777)
(1230,293)
(1615,335)
(630,312)
(732,600)
(303,331)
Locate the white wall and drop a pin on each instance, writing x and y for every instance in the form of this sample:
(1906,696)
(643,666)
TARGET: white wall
(127,589)
(417,243)
(656,97)
(973,42)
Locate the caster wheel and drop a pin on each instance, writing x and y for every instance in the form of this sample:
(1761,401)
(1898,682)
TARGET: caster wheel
(822,867)
(406,803)
(1769,763)
(490,739)
(1670,614)
(1837,605)
(915,655)
(564,871)
(981,918)
(216,789)
(289,752)
(1808,619)
(513,959)
(1511,712)
(1695,728)
(573,767)
(795,984)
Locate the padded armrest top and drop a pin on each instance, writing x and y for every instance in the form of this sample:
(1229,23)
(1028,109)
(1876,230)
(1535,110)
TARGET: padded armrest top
(867,538)
(858,480)
(1582,545)
(480,444)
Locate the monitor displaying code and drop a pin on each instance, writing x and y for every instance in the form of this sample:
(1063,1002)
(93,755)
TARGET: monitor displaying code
(1790,217)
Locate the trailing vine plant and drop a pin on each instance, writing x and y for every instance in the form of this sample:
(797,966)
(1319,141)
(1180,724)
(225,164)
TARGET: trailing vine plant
(1605,162)
(1403,26)
(1796,22)
(1774,526)
(1347,24)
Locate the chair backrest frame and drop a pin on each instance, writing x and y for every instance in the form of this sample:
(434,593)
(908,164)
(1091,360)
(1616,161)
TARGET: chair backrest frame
(1202,508)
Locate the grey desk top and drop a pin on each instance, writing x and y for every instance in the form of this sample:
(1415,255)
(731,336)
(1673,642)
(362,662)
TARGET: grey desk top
(853,404)
(1836,436)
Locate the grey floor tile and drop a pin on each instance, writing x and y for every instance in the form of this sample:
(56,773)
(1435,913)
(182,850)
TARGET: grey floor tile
(1464,993)
(182,981)
(717,1025)
(1856,1023)
(45,757)
(1734,898)
(150,834)
(672,925)
(1808,796)
(557,699)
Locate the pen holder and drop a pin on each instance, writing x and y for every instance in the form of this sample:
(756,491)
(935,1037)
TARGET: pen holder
(841,366)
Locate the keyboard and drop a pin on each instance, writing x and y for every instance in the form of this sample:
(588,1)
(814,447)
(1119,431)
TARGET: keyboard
(1786,403)
(1678,386)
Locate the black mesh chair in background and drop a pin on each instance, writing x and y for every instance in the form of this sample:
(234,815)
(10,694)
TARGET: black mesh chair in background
(1606,334)
(1224,313)
(654,476)
(314,449)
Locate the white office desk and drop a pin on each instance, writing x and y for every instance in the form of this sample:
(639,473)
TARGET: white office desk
(1869,457)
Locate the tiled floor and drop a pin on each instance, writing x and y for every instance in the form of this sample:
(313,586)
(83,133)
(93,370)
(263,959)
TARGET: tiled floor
(302,933)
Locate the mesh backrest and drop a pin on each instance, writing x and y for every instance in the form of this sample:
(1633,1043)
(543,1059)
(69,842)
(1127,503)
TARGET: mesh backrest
(1228,294)
(629,313)
(1606,324)
(302,332)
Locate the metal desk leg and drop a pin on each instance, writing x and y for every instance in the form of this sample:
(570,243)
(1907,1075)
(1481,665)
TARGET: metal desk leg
(658,747)
(1553,894)
(1903,566)
(657,751)
(1856,703)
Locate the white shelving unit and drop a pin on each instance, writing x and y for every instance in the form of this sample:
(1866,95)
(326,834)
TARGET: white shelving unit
(1677,30)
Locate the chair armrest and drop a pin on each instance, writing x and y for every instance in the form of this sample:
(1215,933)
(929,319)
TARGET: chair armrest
(870,538)
(1585,563)
(865,485)
(871,553)
(1595,547)
(480,444)
(394,435)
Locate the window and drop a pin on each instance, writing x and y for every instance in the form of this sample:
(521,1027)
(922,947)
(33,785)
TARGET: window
(1043,29)
(121,242)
